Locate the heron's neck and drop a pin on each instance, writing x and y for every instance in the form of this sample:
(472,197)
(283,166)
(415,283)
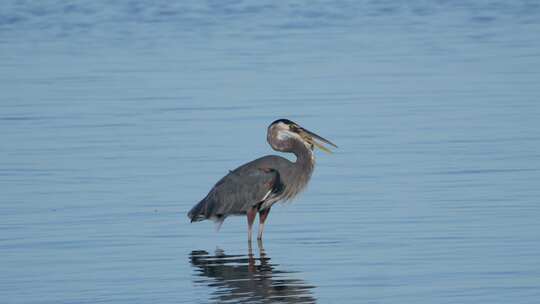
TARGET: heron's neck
(305,160)
(300,172)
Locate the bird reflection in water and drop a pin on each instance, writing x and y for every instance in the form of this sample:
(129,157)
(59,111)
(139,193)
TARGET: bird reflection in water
(248,279)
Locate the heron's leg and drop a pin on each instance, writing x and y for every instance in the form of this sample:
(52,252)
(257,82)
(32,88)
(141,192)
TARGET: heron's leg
(251,259)
(252,212)
(263,214)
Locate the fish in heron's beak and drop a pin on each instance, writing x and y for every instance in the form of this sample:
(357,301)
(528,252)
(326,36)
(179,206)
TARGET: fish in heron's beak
(315,140)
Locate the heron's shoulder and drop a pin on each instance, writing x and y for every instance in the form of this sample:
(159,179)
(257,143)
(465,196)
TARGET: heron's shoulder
(272,162)
(267,162)
(261,170)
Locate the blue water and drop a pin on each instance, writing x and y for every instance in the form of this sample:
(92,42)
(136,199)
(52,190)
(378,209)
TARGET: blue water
(116,118)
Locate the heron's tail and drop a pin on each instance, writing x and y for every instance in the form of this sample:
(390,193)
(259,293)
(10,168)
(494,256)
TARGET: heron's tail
(205,210)
(196,214)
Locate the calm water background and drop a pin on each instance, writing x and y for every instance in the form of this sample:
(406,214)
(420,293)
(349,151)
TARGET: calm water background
(115,118)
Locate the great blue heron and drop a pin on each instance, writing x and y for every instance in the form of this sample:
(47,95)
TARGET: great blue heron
(256,186)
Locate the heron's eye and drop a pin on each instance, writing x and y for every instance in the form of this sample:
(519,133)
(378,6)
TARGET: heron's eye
(293,128)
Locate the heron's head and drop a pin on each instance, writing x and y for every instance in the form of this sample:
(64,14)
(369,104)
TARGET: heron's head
(284,134)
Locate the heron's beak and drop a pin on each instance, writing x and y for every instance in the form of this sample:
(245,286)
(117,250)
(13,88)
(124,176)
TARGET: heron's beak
(316,140)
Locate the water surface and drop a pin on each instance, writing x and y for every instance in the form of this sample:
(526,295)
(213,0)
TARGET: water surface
(116,118)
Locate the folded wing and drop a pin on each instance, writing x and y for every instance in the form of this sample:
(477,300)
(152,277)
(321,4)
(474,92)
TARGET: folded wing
(247,186)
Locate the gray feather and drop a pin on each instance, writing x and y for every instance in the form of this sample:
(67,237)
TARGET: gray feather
(243,188)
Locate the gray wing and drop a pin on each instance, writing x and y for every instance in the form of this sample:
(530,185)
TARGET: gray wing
(241,189)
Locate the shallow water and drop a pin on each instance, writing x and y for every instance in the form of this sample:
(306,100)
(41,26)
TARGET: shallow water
(117,118)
